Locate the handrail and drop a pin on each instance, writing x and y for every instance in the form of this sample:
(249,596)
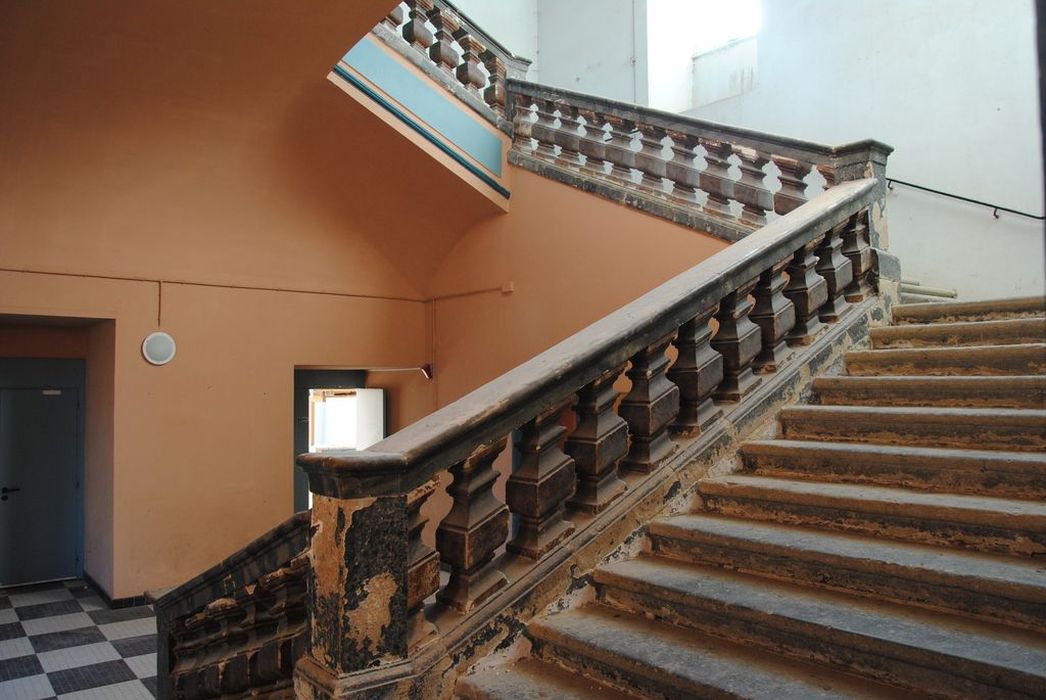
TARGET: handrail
(996,208)
(721,180)
(414,455)
(783,145)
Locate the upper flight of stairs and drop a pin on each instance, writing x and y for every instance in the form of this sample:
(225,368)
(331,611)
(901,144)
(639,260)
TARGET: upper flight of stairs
(890,543)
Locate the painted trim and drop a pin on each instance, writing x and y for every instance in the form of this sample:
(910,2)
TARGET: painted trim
(421,130)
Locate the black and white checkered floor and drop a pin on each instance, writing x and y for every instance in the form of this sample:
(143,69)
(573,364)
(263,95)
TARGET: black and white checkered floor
(61,640)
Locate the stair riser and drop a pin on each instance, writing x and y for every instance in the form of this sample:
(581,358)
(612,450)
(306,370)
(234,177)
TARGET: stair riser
(937,475)
(935,592)
(912,528)
(998,435)
(993,310)
(958,397)
(929,673)
(623,674)
(1016,364)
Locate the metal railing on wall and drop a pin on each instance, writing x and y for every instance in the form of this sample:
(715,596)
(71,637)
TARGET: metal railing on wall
(996,208)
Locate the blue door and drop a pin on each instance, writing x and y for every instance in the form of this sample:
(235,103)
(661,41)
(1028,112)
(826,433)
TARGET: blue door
(39,484)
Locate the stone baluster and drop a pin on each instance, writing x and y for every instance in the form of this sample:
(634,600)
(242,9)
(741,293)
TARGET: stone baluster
(593,144)
(619,149)
(394,18)
(494,95)
(774,313)
(442,50)
(415,31)
(473,530)
(808,291)
(568,137)
(793,187)
(715,178)
(681,170)
(828,173)
(422,565)
(540,485)
(859,252)
(597,444)
(697,372)
(738,340)
(649,407)
(837,272)
(523,123)
(544,130)
(649,160)
(751,189)
(469,73)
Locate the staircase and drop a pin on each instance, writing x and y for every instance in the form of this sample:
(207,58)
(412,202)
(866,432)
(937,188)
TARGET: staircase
(890,543)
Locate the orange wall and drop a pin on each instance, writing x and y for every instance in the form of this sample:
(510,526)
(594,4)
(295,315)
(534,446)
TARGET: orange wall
(571,258)
(289,226)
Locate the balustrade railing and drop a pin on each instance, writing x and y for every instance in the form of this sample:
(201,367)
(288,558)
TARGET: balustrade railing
(768,293)
(238,628)
(736,179)
(436,35)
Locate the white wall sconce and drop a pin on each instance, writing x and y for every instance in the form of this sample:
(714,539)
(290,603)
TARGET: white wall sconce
(158,348)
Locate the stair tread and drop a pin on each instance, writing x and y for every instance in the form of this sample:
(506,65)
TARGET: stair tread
(954,458)
(985,329)
(1030,416)
(840,617)
(685,659)
(532,679)
(988,381)
(998,574)
(977,509)
(952,309)
(951,350)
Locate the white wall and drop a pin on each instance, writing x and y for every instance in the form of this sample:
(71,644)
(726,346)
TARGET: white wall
(951,84)
(513,23)
(594,46)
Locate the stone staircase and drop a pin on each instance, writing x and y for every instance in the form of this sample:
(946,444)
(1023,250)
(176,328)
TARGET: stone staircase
(890,543)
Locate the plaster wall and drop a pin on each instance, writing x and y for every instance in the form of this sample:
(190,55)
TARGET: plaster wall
(207,183)
(594,46)
(951,84)
(513,23)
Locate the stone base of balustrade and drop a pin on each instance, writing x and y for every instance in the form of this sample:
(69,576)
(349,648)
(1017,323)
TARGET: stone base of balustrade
(314,681)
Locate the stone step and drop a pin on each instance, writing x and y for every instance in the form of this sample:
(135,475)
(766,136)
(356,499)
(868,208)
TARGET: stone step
(1003,332)
(530,679)
(933,654)
(1001,526)
(998,589)
(992,309)
(657,659)
(997,392)
(1025,359)
(983,472)
(1022,430)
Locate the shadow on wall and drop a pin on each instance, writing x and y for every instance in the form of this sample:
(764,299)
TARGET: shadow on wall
(363,175)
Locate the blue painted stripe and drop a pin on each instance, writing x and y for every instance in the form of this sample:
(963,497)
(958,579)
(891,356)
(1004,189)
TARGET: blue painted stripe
(431,104)
(428,135)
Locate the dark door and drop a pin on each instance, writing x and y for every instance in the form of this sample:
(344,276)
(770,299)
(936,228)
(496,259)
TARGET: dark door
(39,484)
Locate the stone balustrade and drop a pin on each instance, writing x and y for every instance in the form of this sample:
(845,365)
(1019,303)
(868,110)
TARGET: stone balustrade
(238,628)
(725,180)
(442,40)
(376,588)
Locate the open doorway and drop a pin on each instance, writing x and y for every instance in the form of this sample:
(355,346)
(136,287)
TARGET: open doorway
(333,410)
(41,470)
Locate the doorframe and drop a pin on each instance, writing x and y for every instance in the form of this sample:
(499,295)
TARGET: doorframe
(67,375)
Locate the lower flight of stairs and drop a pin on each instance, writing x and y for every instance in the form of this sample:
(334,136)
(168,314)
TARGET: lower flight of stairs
(890,543)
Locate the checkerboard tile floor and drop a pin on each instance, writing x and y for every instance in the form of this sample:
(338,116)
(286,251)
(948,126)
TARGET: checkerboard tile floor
(60,640)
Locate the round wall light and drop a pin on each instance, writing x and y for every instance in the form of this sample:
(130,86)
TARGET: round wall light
(158,348)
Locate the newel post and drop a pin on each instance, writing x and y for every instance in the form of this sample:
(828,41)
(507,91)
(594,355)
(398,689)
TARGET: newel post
(864,159)
(358,589)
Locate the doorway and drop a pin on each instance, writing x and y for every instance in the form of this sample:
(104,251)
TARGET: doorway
(41,470)
(304,380)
